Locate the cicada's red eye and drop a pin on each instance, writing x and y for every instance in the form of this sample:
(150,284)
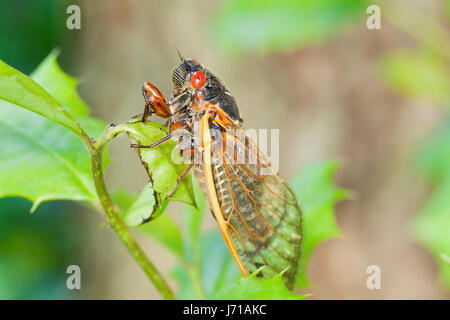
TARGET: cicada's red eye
(198,79)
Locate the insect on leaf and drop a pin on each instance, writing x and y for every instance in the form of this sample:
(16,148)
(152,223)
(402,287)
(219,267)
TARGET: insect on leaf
(163,163)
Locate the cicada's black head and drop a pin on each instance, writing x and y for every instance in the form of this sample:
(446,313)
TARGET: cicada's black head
(181,76)
(189,76)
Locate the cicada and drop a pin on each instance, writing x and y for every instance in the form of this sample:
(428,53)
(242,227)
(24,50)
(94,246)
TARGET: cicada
(255,209)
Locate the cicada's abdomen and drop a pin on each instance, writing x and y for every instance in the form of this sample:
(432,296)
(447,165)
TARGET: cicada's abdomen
(261,214)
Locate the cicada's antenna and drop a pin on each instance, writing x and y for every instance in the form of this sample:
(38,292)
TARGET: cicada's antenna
(179,54)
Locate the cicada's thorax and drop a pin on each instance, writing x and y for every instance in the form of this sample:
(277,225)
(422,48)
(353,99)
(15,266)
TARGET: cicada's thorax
(221,112)
(212,100)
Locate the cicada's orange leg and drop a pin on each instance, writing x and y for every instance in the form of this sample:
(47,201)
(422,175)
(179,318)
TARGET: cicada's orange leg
(180,178)
(154,102)
(164,139)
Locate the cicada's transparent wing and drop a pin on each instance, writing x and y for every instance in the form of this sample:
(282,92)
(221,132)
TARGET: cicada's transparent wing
(261,214)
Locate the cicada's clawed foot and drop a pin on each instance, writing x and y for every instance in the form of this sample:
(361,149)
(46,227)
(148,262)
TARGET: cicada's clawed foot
(138,146)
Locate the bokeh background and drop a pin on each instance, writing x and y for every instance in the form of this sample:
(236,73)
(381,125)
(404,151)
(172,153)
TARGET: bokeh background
(378,100)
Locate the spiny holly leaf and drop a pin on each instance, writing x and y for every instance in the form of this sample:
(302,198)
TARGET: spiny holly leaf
(60,85)
(252,288)
(63,88)
(163,163)
(17,88)
(266,25)
(419,75)
(317,195)
(39,159)
(431,226)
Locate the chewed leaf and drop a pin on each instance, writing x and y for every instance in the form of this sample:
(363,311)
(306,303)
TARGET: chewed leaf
(252,288)
(163,163)
(147,206)
(317,194)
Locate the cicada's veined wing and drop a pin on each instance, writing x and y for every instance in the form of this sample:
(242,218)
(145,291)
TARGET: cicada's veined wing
(256,210)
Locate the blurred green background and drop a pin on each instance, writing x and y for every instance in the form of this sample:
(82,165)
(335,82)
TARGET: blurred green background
(377,99)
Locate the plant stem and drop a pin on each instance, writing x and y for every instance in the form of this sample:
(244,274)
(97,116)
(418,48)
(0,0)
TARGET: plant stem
(96,151)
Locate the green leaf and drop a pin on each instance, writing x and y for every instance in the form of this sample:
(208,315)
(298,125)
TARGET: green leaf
(266,25)
(17,88)
(252,288)
(447,6)
(122,198)
(433,158)
(188,275)
(147,206)
(192,221)
(419,75)
(185,285)
(60,85)
(163,164)
(317,195)
(63,88)
(39,159)
(217,267)
(431,227)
